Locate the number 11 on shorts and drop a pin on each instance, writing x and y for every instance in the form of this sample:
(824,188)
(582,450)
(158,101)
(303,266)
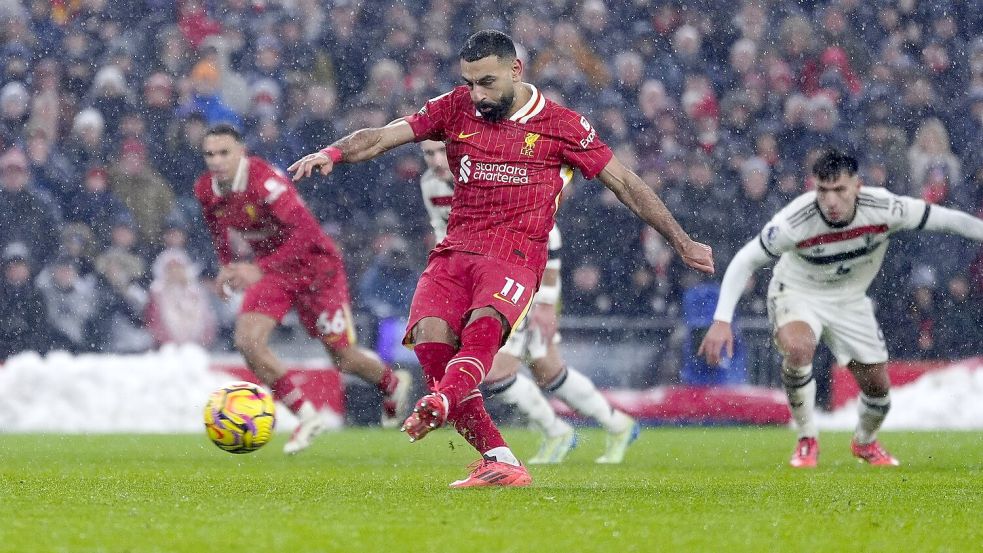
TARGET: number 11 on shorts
(507,290)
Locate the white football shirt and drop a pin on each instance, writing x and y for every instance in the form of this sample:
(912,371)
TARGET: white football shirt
(842,259)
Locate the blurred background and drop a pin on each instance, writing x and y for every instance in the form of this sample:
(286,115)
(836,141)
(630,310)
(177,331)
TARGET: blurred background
(720,107)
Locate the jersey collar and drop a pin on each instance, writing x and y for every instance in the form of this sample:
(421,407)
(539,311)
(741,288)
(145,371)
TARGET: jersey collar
(532,108)
(239,181)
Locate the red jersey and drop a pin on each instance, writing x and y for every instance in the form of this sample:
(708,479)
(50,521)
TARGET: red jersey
(265,208)
(508,174)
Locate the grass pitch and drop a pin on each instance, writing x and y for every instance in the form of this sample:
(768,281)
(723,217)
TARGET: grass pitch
(370,490)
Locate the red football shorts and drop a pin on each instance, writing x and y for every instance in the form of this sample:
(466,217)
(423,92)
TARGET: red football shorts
(319,292)
(456,283)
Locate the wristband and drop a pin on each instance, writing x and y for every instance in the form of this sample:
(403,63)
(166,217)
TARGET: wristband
(333,152)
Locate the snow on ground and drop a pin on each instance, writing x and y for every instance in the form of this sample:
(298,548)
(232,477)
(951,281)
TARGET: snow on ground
(946,399)
(161,391)
(166,391)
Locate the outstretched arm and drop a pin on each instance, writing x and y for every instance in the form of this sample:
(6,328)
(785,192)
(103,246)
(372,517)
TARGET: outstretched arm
(639,197)
(361,145)
(953,221)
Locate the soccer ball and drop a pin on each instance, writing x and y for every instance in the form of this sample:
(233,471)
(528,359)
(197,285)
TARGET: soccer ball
(239,418)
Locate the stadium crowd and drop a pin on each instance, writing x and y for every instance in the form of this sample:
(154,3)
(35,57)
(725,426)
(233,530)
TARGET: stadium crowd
(719,107)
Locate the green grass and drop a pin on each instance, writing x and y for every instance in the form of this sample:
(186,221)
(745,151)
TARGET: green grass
(370,490)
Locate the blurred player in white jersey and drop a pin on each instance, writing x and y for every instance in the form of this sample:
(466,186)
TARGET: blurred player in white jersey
(535,343)
(829,244)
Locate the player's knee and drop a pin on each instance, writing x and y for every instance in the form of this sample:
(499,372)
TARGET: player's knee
(545,370)
(797,351)
(432,329)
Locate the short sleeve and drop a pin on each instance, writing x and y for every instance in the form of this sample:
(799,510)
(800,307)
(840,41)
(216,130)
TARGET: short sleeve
(430,122)
(582,148)
(776,238)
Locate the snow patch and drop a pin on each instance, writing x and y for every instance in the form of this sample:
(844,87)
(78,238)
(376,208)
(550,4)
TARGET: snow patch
(156,392)
(944,399)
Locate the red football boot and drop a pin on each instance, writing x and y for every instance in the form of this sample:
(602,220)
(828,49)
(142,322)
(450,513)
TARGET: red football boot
(873,453)
(489,472)
(806,454)
(429,414)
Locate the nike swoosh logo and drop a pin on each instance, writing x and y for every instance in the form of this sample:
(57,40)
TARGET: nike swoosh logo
(462,135)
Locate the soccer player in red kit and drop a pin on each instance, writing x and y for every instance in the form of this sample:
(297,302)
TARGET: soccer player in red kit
(510,150)
(296,265)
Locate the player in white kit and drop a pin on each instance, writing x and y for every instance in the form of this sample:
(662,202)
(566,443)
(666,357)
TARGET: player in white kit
(829,244)
(534,341)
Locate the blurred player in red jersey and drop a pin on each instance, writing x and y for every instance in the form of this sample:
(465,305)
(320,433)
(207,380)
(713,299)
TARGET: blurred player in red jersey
(296,265)
(510,151)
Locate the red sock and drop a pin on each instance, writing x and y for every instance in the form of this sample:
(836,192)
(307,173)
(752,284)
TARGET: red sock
(480,341)
(474,423)
(287,389)
(387,383)
(433,358)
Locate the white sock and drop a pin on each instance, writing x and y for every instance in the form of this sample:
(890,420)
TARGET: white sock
(306,412)
(800,387)
(577,391)
(502,455)
(873,411)
(528,399)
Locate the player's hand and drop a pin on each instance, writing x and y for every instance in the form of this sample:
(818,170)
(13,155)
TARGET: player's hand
(697,256)
(223,285)
(718,338)
(304,166)
(237,276)
(544,318)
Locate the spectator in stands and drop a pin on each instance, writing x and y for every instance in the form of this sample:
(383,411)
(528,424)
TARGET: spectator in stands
(95,205)
(46,102)
(77,243)
(960,321)
(142,190)
(50,169)
(111,96)
(388,283)
(182,155)
(888,142)
(23,320)
(755,201)
(87,145)
(587,295)
(118,325)
(69,303)
(205,80)
(711,221)
(179,310)
(26,215)
(15,104)
(931,149)
(567,51)
(920,322)
(318,119)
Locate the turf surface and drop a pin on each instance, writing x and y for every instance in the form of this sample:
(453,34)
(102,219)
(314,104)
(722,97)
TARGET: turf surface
(369,490)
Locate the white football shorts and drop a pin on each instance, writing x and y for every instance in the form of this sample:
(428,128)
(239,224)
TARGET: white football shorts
(527,343)
(846,324)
